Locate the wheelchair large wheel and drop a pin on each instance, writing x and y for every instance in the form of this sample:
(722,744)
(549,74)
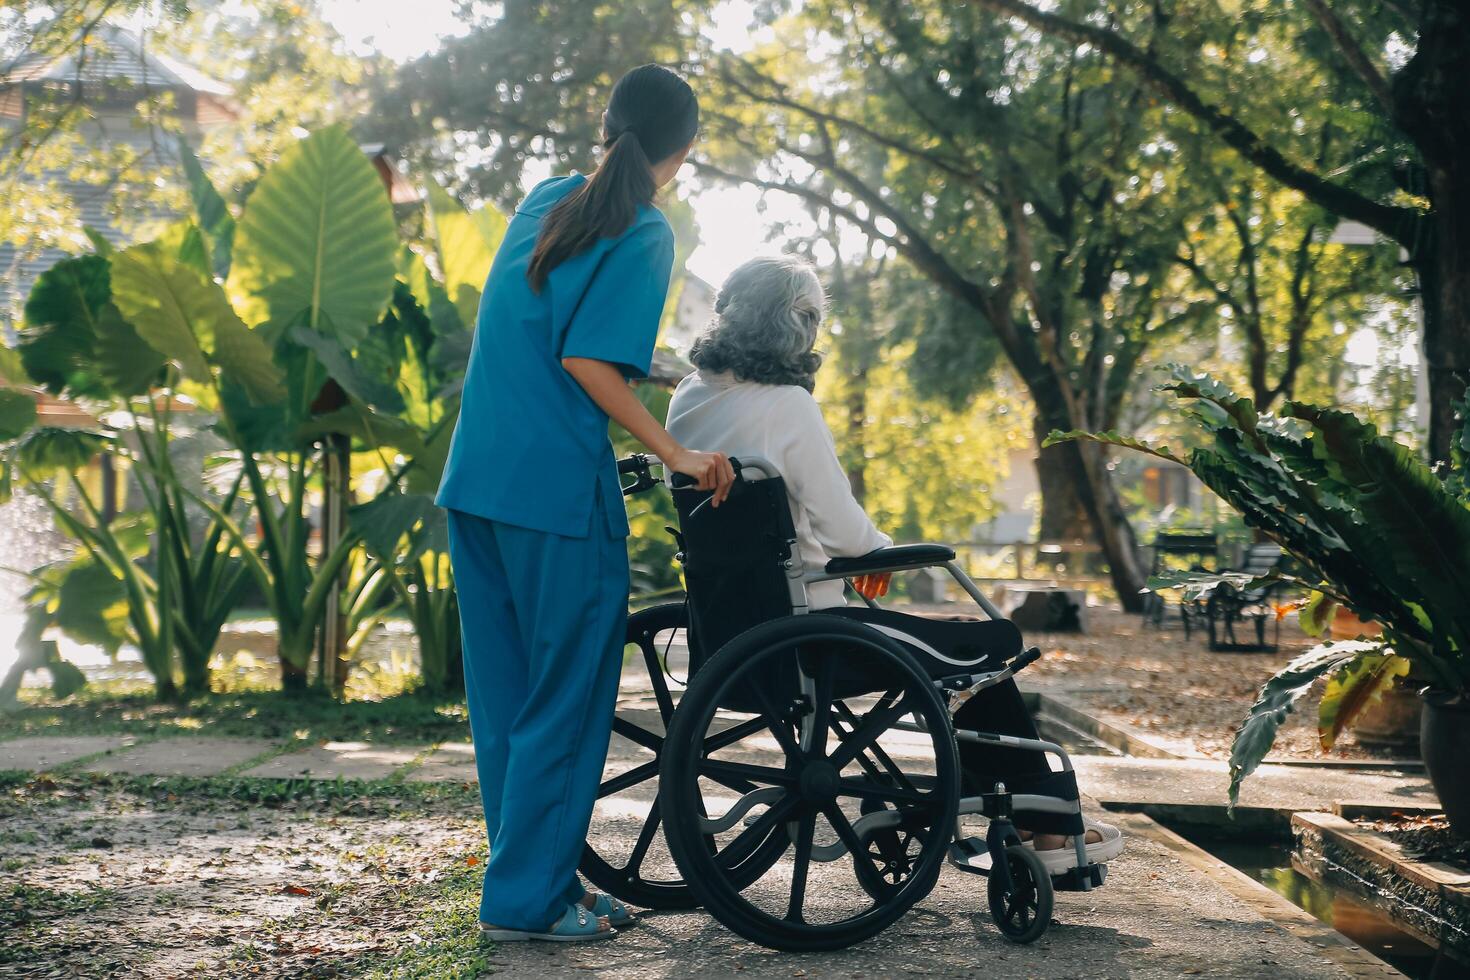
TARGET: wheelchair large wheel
(624,854)
(831,775)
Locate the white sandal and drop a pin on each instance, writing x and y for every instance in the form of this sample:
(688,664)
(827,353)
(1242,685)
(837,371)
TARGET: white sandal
(1060,860)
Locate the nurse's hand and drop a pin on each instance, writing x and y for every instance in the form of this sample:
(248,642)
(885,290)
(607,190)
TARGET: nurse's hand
(712,471)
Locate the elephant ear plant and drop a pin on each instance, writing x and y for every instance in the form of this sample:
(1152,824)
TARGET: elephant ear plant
(1373,529)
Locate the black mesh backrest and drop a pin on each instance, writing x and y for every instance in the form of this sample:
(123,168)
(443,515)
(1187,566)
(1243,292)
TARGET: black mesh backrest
(734,561)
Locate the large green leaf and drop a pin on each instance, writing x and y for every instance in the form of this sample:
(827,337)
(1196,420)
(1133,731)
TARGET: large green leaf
(209,208)
(1057,436)
(1317,615)
(317,241)
(373,429)
(1258,732)
(387,518)
(129,365)
(88,603)
(368,379)
(17,413)
(1415,525)
(66,678)
(428,464)
(1352,689)
(185,316)
(42,452)
(465,242)
(62,314)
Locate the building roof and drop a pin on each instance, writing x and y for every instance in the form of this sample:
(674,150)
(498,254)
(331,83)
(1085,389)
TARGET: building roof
(115,55)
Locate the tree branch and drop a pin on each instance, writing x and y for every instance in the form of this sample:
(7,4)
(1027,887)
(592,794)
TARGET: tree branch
(1398,223)
(1352,52)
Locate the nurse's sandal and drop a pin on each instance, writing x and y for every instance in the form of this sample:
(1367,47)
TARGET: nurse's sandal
(576,925)
(614,911)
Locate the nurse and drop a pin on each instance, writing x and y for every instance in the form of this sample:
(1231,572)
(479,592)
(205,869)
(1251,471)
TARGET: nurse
(536,522)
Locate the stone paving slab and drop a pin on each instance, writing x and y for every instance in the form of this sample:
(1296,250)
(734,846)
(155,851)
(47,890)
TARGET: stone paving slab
(41,752)
(1203,782)
(453,762)
(337,760)
(182,756)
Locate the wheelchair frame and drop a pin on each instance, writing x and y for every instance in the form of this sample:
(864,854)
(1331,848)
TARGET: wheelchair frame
(996,857)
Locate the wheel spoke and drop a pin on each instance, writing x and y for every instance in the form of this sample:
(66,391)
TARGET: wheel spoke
(876,751)
(636,734)
(821,707)
(870,877)
(746,842)
(805,829)
(874,724)
(715,768)
(779,728)
(645,838)
(731,735)
(632,777)
(864,790)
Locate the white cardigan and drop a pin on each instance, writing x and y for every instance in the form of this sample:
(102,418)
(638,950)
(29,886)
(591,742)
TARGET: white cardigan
(714,412)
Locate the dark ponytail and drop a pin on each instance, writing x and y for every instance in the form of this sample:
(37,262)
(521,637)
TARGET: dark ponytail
(651,115)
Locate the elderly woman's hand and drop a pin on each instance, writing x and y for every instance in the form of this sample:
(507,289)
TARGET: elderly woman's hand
(872,586)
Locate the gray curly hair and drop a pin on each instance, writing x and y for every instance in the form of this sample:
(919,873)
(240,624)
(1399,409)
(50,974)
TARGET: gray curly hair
(765,324)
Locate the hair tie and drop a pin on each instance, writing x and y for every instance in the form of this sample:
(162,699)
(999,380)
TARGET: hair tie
(612,138)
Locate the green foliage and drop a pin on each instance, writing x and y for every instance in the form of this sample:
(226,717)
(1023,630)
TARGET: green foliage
(1356,686)
(316,244)
(17,413)
(464,244)
(213,214)
(69,307)
(1377,531)
(1279,695)
(184,316)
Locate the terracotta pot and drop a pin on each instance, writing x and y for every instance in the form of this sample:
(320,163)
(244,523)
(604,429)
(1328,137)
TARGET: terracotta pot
(1391,722)
(1346,626)
(1444,738)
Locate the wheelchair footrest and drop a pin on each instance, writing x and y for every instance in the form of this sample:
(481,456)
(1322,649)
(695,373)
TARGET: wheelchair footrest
(970,854)
(1073,881)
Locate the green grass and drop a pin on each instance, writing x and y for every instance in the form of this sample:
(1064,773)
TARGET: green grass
(359,797)
(26,914)
(451,947)
(119,708)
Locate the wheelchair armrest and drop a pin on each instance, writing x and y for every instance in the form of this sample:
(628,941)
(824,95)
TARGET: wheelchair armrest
(892,559)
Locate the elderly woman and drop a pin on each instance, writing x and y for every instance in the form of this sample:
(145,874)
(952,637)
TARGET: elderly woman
(752,396)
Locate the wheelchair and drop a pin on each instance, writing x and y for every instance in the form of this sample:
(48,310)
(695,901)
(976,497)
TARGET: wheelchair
(858,708)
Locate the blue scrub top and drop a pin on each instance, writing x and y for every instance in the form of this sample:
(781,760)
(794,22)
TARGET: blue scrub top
(531,447)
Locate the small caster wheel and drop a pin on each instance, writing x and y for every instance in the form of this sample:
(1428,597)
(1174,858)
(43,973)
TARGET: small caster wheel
(1023,913)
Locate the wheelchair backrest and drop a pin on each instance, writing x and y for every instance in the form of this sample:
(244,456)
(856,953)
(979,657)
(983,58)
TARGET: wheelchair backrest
(735,561)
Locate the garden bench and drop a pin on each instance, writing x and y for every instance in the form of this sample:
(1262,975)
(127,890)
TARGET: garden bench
(1226,605)
(1197,551)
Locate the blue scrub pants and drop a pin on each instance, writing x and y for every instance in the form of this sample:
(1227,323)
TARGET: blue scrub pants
(544,619)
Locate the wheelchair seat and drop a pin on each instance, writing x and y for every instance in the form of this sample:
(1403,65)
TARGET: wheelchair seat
(944,647)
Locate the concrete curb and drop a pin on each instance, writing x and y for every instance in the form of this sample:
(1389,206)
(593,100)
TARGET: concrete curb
(1333,945)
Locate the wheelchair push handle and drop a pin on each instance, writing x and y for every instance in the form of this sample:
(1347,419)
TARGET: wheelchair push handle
(641,465)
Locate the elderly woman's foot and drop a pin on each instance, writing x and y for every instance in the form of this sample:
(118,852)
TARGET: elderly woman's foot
(1058,853)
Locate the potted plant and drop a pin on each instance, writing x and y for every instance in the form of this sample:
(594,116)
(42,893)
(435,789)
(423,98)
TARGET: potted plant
(1373,530)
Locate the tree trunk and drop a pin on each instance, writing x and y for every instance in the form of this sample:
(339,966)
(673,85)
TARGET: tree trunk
(1445,283)
(1063,518)
(1429,105)
(857,416)
(1078,477)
